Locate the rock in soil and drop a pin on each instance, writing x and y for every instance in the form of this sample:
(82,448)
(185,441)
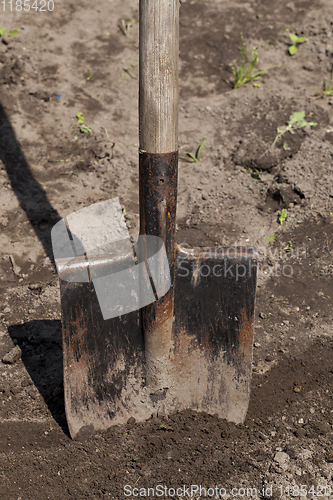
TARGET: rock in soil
(12,356)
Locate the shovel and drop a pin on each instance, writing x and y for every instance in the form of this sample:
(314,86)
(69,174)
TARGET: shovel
(187,341)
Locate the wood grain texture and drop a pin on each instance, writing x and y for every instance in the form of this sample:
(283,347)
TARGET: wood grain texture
(158,89)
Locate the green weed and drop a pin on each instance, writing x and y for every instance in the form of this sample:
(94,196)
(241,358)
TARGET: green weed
(270,238)
(195,158)
(327,89)
(80,120)
(296,41)
(90,74)
(3,31)
(254,173)
(289,247)
(245,71)
(296,120)
(283,216)
(126,25)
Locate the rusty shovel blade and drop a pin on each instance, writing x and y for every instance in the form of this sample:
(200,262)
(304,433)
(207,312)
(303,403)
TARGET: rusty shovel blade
(107,378)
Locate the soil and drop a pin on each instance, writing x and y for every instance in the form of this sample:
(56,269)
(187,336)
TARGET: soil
(78,59)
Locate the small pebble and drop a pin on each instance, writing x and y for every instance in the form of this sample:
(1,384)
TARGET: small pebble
(308,66)
(282,459)
(12,356)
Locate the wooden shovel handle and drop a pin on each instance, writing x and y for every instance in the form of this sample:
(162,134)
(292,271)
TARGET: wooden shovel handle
(158,86)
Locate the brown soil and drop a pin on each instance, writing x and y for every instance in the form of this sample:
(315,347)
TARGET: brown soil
(76,58)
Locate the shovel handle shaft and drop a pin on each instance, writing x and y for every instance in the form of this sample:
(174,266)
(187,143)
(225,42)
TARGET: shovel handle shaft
(158,82)
(158,163)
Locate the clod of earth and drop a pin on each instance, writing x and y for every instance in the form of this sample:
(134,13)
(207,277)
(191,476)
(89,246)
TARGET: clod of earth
(12,356)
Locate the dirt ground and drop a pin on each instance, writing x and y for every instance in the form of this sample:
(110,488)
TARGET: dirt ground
(78,59)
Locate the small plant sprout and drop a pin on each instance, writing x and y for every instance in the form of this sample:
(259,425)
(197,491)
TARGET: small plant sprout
(283,216)
(89,77)
(245,71)
(296,41)
(255,174)
(194,158)
(296,120)
(270,238)
(288,247)
(327,89)
(83,128)
(3,31)
(126,25)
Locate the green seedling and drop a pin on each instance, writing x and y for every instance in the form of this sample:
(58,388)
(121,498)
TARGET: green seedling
(327,90)
(269,317)
(289,247)
(3,31)
(245,71)
(166,427)
(260,16)
(83,128)
(257,85)
(80,118)
(285,146)
(296,41)
(195,158)
(331,214)
(90,75)
(270,238)
(283,216)
(126,25)
(296,120)
(254,173)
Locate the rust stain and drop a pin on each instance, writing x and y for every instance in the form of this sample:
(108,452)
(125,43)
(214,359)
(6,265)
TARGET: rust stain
(246,329)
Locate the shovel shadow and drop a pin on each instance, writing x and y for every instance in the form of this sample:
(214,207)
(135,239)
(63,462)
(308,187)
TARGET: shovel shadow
(28,191)
(41,345)
(40,341)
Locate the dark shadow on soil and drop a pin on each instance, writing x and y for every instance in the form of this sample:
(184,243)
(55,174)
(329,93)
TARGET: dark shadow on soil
(30,194)
(41,345)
